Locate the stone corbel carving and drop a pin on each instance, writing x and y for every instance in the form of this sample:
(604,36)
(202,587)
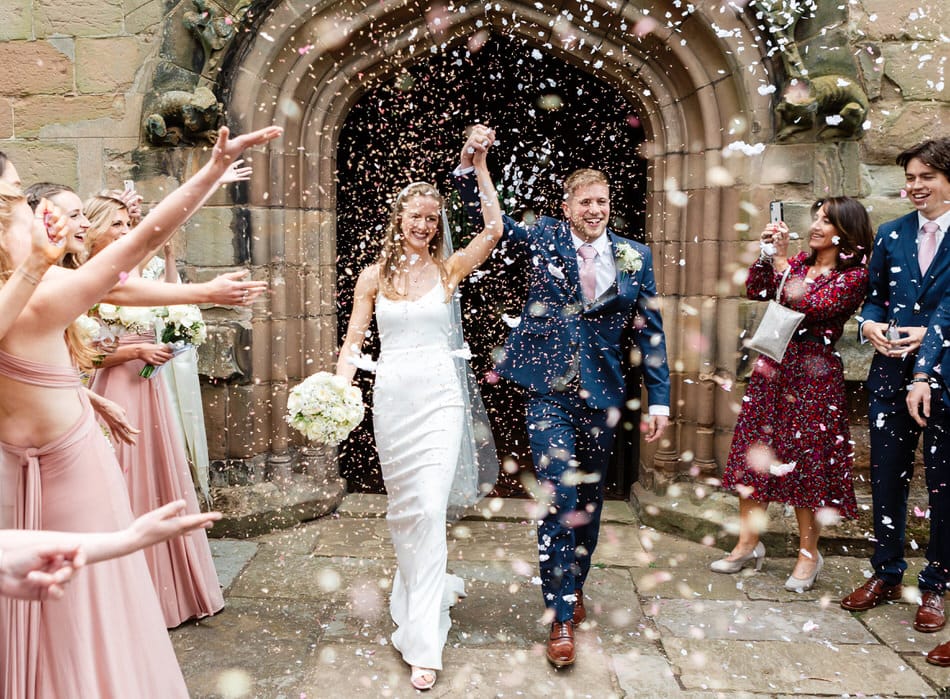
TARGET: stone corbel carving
(835,106)
(212,30)
(183,118)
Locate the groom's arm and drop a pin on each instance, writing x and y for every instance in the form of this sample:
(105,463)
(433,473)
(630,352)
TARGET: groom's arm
(651,341)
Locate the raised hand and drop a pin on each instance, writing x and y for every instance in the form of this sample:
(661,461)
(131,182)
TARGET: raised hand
(480,139)
(228,149)
(38,572)
(166,522)
(48,233)
(133,204)
(236,172)
(228,289)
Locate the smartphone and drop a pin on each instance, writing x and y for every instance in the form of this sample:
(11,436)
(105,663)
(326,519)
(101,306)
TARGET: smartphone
(775,212)
(129,185)
(893,334)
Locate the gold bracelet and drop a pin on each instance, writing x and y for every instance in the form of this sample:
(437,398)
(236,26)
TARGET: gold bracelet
(29,277)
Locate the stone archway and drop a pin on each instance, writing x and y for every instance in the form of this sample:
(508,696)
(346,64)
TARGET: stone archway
(695,80)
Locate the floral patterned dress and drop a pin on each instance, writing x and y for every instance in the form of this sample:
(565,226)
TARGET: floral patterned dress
(792,443)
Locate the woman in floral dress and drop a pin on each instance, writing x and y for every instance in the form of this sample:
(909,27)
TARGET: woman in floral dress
(792,443)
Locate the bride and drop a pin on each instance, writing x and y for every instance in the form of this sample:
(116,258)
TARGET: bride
(424,436)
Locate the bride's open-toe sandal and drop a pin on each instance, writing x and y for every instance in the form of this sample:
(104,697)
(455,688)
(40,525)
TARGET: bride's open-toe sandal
(422,678)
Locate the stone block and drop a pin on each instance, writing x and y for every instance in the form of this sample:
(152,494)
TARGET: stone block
(895,127)
(883,209)
(871,63)
(107,64)
(34,68)
(209,238)
(882,180)
(70,18)
(919,73)
(141,16)
(16,21)
(837,169)
(6,118)
(44,161)
(214,397)
(33,115)
(882,20)
(222,355)
(788,163)
(248,420)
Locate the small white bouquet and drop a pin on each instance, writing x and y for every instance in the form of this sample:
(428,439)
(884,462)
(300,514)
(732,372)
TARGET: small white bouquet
(324,408)
(130,319)
(184,324)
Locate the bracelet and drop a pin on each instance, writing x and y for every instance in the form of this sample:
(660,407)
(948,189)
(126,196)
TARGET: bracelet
(921,379)
(29,277)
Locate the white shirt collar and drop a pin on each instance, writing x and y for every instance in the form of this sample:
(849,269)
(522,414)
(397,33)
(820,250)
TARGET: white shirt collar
(601,245)
(943,221)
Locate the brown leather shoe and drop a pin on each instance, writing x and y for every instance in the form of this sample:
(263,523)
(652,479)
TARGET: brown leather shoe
(580,611)
(871,594)
(930,616)
(940,655)
(561,644)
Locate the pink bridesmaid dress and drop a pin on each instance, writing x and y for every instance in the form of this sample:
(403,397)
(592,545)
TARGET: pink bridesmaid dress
(156,471)
(106,637)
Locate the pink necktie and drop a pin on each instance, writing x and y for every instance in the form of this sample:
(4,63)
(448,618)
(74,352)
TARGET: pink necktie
(588,271)
(928,245)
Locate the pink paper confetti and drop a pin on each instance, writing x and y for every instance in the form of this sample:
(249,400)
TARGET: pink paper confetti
(123,277)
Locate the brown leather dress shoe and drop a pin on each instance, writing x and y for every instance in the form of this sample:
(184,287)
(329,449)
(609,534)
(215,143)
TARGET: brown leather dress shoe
(561,644)
(871,594)
(930,616)
(580,611)
(940,655)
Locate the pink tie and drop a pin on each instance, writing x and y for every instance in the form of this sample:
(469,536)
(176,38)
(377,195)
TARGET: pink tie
(928,245)
(588,271)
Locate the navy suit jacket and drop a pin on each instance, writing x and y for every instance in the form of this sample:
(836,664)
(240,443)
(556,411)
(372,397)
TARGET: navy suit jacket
(899,292)
(559,334)
(934,357)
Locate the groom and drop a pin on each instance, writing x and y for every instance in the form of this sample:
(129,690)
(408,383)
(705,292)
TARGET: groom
(586,286)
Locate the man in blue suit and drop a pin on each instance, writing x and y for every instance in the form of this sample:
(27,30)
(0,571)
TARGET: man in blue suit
(909,274)
(586,285)
(928,401)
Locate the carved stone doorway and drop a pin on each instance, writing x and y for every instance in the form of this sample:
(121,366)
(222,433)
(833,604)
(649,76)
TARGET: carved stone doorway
(551,118)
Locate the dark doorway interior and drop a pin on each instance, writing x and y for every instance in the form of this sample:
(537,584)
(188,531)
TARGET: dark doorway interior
(551,118)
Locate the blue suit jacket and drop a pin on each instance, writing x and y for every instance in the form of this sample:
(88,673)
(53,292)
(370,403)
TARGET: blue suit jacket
(934,357)
(898,291)
(559,334)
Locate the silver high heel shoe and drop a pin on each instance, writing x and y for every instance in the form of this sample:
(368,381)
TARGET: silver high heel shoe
(756,556)
(794,584)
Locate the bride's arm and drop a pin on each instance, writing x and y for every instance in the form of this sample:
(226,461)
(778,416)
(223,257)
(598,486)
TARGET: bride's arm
(466,260)
(364,302)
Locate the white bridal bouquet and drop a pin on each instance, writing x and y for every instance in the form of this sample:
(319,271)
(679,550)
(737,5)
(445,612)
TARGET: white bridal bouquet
(324,408)
(184,329)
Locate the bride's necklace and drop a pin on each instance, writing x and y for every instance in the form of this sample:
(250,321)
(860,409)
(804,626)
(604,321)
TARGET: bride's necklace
(416,274)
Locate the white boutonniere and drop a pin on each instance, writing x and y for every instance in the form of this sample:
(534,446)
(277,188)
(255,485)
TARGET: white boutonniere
(628,259)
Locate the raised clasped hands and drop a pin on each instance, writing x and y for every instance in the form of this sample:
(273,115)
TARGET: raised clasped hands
(479,140)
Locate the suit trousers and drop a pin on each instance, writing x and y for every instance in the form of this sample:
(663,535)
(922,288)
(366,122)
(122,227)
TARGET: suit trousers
(571,445)
(894,438)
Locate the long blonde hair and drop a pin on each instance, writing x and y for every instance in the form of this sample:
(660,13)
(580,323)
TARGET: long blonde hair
(101,209)
(82,354)
(393,254)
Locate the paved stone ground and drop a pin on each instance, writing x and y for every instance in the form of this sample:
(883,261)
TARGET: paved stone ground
(307,617)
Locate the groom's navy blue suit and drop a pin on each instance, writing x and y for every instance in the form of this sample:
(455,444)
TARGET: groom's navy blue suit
(568,354)
(898,291)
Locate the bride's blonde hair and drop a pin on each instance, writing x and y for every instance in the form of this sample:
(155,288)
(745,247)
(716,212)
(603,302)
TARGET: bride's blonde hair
(392,257)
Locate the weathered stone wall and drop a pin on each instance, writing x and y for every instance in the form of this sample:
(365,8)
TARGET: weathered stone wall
(78,79)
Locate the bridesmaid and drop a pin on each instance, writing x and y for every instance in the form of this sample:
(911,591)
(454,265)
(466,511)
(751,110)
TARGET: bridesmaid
(156,465)
(106,638)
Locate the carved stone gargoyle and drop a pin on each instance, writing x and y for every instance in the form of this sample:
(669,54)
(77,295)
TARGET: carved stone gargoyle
(183,118)
(212,30)
(834,105)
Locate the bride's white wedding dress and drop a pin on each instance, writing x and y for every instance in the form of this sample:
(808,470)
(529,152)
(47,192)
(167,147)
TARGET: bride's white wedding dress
(418,413)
